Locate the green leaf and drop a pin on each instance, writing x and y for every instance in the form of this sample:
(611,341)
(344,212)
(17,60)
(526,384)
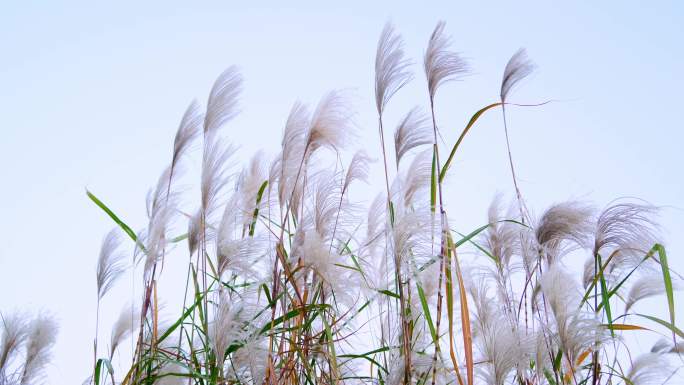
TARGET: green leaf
(98,369)
(255,215)
(605,299)
(470,124)
(389,293)
(111,214)
(668,283)
(668,325)
(433,181)
(426,312)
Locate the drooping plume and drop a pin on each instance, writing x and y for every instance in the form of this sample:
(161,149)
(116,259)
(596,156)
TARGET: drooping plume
(223,100)
(413,131)
(627,228)
(292,153)
(330,124)
(562,227)
(123,327)
(110,264)
(647,286)
(518,68)
(13,331)
(357,170)
(391,68)
(215,173)
(442,65)
(42,335)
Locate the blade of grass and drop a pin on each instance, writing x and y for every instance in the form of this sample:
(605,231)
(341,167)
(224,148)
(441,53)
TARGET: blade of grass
(114,217)
(668,284)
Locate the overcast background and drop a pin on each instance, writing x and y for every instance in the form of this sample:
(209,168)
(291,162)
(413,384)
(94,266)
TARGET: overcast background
(91,95)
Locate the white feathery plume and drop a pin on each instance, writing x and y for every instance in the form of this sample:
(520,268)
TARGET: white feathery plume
(13,332)
(42,335)
(664,345)
(413,131)
(123,327)
(374,259)
(250,361)
(417,177)
(503,349)
(159,196)
(157,237)
(330,124)
(110,263)
(249,182)
(391,68)
(235,250)
(411,236)
(189,128)
(648,369)
(442,65)
(501,238)
(226,327)
(215,174)
(292,153)
(223,100)
(561,226)
(194,223)
(326,203)
(427,280)
(645,287)
(357,170)
(575,332)
(518,68)
(628,228)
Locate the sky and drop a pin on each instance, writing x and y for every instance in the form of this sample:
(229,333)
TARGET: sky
(91,94)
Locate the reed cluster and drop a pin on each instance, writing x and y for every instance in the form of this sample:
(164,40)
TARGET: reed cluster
(290,281)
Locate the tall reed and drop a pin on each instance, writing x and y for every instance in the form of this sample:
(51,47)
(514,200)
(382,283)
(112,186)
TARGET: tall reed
(289,281)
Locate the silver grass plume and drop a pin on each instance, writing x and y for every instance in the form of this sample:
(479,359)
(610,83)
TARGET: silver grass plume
(42,335)
(122,328)
(110,263)
(562,226)
(226,327)
(502,346)
(417,177)
(413,131)
(391,68)
(13,334)
(291,156)
(575,332)
(223,100)
(326,203)
(157,237)
(518,68)
(247,187)
(188,130)
(194,231)
(501,237)
(648,369)
(330,124)
(628,228)
(645,287)
(215,173)
(442,65)
(357,170)
(235,251)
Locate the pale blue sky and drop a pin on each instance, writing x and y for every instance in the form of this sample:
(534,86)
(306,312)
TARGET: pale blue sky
(91,94)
